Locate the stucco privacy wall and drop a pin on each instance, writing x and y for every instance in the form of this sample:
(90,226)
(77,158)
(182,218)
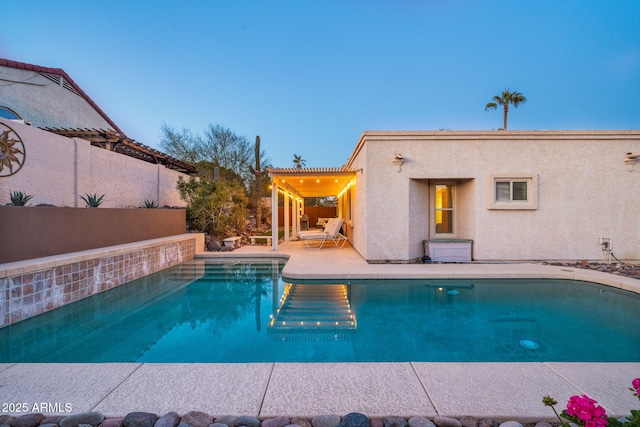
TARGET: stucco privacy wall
(29,288)
(584,192)
(57,170)
(47,103)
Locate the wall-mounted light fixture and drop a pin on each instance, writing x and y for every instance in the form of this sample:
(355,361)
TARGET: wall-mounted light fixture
(631,159)
(398,160)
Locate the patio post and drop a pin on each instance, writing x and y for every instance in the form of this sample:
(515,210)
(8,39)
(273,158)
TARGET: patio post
(286,215)
(296,216)
(274,215)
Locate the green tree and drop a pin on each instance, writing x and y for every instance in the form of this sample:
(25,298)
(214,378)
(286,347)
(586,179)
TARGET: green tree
(216,207)
(219,146)
(507,97)
(298,161)
(226,149)
(182,145)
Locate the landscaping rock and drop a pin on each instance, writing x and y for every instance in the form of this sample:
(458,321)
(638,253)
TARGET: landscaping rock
(30,420)
(469,421)
(139,419)
(48,425)
(395,422)
(331,420)
(276,422)
(218,425)
(197,419)
(511,424)
(112,422)
(214,245)
(627,270)
(355,419)
(488,423)
(54,419)
(446,422)
(183,424)
(90,418)
(229,420)
(421,422)
(247,421)
(302,422)
(5,419)
(543,424)
(376,422)
(171,419)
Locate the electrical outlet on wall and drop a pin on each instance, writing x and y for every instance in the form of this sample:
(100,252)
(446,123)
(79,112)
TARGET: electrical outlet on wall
(605,242)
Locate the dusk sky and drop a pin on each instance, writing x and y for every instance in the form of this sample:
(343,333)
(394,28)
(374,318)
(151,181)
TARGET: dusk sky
(310,76)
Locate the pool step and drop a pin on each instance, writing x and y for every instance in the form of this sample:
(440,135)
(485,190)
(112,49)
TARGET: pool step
(219,274)
(324,309)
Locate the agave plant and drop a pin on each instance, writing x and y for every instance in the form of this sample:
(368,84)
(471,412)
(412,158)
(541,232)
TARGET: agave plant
(18,198)
(150,204)
(92,201)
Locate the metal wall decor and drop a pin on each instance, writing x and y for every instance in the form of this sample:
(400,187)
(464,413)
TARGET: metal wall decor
(12,152)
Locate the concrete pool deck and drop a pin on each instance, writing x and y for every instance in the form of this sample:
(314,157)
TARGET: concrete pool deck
(501,391)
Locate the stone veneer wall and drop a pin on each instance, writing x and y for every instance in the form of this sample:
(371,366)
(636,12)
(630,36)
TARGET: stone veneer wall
(30,293)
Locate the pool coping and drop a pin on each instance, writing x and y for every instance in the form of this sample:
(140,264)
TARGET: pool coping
(346,263)
(500,391)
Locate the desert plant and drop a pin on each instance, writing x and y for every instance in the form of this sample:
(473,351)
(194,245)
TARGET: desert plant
(18,198)
(258,174)
(150,204)
(92,201)
(214,207)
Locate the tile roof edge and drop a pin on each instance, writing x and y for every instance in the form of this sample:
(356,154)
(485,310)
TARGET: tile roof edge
(60,72)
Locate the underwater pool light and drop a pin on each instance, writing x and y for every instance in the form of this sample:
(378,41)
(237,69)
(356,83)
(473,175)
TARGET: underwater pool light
(529,344)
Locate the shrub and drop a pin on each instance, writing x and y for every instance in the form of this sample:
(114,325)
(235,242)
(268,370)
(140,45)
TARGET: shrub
(92,201)
(216,207)
(18,198)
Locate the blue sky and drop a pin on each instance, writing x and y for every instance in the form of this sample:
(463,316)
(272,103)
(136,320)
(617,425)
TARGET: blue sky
(310,76)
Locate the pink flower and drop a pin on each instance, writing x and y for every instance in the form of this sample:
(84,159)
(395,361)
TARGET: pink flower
(587,410)
(636,384)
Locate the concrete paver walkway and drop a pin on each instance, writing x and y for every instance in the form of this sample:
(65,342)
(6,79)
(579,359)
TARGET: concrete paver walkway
(501,391)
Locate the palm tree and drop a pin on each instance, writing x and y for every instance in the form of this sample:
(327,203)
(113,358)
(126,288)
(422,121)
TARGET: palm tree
(298,161)
(506,98)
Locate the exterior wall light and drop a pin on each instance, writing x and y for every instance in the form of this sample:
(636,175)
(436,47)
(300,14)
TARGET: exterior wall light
(398,160)
(631,160)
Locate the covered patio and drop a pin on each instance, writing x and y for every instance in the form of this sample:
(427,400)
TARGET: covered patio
(296,184)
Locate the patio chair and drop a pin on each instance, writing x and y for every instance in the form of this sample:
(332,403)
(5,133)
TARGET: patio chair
(331,233)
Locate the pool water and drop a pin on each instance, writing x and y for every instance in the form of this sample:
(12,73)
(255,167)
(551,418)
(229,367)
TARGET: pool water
(242,311)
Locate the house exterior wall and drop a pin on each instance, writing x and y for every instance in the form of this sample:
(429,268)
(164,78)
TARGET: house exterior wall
(358,224)
(584,192)
(43,103)
(57,170)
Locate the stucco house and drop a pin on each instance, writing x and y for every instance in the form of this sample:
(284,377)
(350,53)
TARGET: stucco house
(482,195)
(67,146)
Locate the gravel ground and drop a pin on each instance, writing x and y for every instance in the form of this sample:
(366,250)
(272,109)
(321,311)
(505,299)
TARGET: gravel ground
(620,269)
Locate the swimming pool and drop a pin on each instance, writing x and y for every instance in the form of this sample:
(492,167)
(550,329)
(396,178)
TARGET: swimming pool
(242,311)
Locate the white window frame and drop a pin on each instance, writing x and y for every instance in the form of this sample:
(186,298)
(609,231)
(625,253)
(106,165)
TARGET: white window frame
(532,191)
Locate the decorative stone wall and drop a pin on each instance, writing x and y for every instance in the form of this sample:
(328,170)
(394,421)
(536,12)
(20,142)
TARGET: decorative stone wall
(34,292)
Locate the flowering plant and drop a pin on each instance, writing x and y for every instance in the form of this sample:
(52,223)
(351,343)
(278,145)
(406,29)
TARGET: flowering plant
(586,412)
